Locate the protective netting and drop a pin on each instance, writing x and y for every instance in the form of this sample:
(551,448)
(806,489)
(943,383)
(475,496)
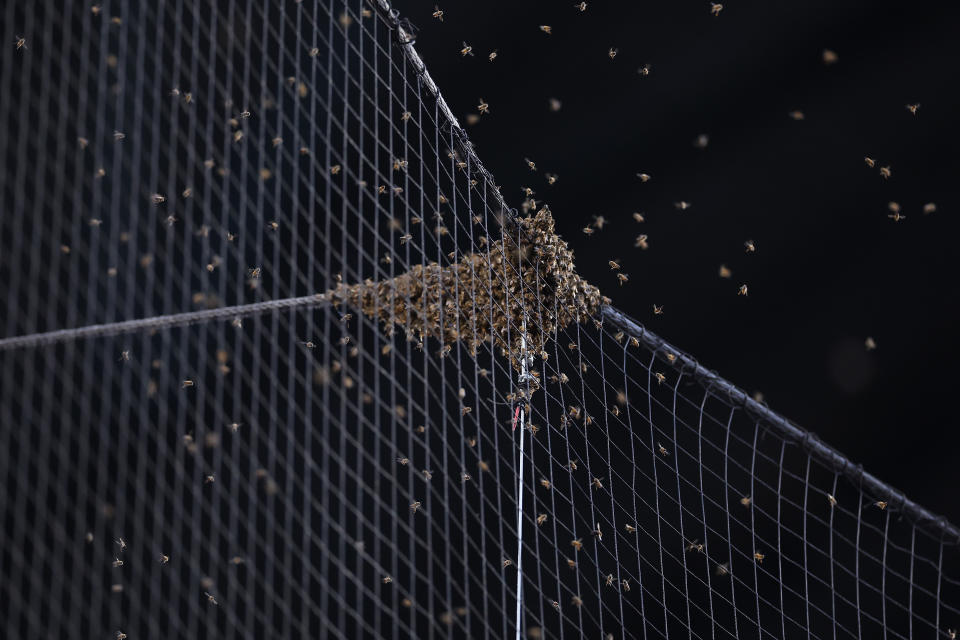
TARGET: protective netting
(248,459)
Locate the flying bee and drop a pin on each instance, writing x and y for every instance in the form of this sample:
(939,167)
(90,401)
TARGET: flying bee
(210,597)
(695,545)
(209,479)
(742,291)
(427,474)
(571,563)
(572,465)
(641,242)
(580,6)
(577,544)
(716,8)
(545,483)
(186,384)
(551,178)
(531,164)
(885,172)
(622,277)
(117,563)
(662,450)
(758,557)
(597,484)
(507,562)
(870,162)
(750,246)
(234,426)
(546,29)
(438,13)
(912,108)
(414,506)
(682,205)
(880,504)
(119,135)
(124,356)
(609,580)
(831,500)
(164,559)
(588,230)
(309,344)
(254,272)
(612,53)
(464,477)
(483,107)
(273,225)
(121,635)
(722,569)
(404,461)
(746,500)
(644,70)
(467,50)
(630,528)
(613,264)
(541,518)
(658,311)
(896,216)
(492,55)
(644,177)
(386,579)
(576,601)
(597,533)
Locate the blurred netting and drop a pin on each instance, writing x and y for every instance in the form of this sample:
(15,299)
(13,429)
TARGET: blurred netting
(309,471)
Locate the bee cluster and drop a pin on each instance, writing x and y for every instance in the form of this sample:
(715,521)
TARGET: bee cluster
(521,291)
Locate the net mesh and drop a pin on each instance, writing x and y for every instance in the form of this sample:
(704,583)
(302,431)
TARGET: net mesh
(203,434)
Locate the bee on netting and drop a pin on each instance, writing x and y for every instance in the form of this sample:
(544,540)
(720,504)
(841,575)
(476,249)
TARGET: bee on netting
(722,569)
(545,483)
(716,8)
(577,544)
(414,506)
(572,465)
(466,50)
(622,277)
(386,579)
(571,563)
(885,172)
(683,205)
(507,562)
(742,291)
(609,580)
(541,519)
(630,528)
(695,545)
(596,483)
(576,601)
(758,557)
(831,500)
(438,13)
(597,533)
(613,53)
(662,450)
(912,108)
(660,377)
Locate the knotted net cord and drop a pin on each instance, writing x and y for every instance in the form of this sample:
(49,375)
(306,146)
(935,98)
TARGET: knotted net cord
(313,470)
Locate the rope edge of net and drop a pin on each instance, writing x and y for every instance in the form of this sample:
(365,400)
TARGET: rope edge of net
(937,526)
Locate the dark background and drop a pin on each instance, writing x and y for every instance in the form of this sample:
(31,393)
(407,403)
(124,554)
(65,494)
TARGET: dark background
(830,267)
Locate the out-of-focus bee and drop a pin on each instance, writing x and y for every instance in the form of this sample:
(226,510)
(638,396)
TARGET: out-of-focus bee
(622,277)
(683,205)
(577,544)
(414,506)
(912,108)
(724,271)
(796,114)
(483,107)
(885,172)
(576,601)
(746,500)
(829,57)
(716,8)
(546,28)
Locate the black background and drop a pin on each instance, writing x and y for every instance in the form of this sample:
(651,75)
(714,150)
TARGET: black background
(830,267)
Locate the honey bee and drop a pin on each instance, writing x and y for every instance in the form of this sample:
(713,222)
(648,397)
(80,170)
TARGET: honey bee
(722,569)
(83,142)
(682,205)
(235,426)
(952,633)
(467,50)
(597,533)
(758,557)
(414,506)
(164,559)
(912,108)
(746,500)
(572,465)
(742,291)
(492,55)
(577,544)
(120,634)
(796,114)
(588,231)
(427,474)
(555,105)
(612,53)
(124,356)
(896,216)
(829,57)
(701,141)
(639,217)
(630,528)
(507,562)
(571,563)
(597,484)
(545,483)
(210,597)
(546,28)
(831,500)
(273,225)
(117,563)
(613,264)
(930,207)
(580,6)
(644,70)
(483,107)
(750,246)
(464,477)
(100,172)
(641,242)
(186,384)
(716,8)
(400,165)
(531,164)
(118,136)
(870,344)
(724,271)
(438,13)
(880,504)
(626,584)
(609,580)
(870,162)
(386,579)
(576,601)
(555,605)
(662,450)
(309,344)
(885,172)
(658,311)
(695,545)
(551,178)
(541,518)
(209,479)
(622,277)
(404,461)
